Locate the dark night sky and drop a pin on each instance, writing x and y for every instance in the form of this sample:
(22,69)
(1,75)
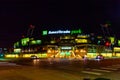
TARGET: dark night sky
(17,15)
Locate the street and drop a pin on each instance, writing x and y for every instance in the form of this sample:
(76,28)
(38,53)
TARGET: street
(51,70)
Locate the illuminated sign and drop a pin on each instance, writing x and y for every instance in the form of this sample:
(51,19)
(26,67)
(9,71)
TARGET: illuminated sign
(45,32)
(59,32)
(66,47)
(76,31)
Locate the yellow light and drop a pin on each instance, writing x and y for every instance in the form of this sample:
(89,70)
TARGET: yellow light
(56,51)
(67,37)
(107,54)
(118,54)
(81,40)
(82,50)
(76,51)
(28,55)
(49,51)
(91,55)
(52,41)
(11,56)
(116,48)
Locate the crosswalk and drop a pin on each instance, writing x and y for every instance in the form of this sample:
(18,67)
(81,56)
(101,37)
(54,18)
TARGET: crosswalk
(102,70)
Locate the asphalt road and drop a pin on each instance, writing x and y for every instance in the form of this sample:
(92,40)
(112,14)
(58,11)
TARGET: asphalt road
(49,69)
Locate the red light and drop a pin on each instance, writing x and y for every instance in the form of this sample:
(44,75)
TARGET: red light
(107,44)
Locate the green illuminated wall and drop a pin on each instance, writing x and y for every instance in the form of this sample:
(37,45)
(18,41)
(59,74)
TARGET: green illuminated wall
(16,44)
(33,42)
(112,39)
(24,41)
(118,42)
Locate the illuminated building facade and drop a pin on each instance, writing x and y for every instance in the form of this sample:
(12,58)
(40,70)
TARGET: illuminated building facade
(64,44)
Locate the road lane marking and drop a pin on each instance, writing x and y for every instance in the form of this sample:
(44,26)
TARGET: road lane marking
(3,62)
(91,72)
(109,68)
(8,64)
(114,67)
(101,70)
(118,66)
